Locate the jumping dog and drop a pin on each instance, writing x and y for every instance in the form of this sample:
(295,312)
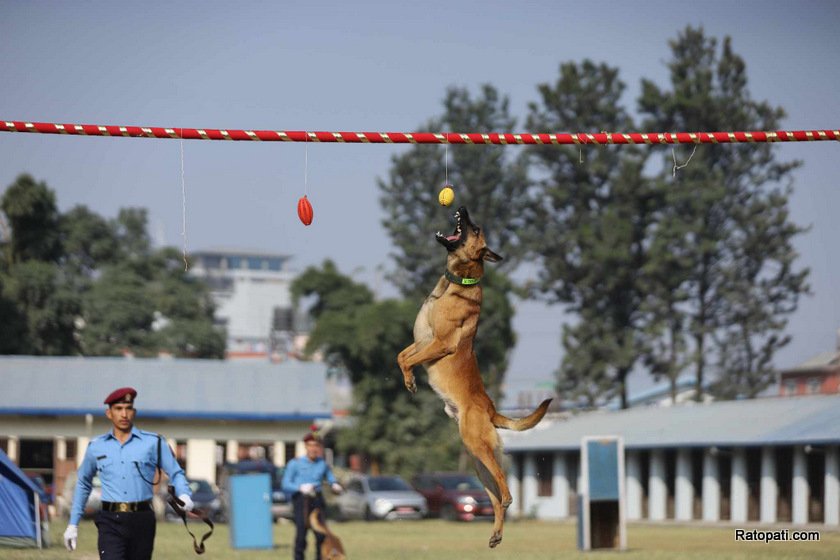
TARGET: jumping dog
(443,342)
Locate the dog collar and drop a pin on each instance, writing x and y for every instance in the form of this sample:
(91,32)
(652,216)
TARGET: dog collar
(460,281)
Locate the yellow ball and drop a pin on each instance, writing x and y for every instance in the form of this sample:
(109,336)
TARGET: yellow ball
(446,196)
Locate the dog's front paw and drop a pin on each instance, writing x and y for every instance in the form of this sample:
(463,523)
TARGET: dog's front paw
(495,539)
(410,384)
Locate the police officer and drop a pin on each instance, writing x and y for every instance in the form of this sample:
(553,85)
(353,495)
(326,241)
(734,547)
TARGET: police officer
(302,480)
(126,460)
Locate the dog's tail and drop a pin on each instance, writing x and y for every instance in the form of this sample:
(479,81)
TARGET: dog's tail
(315,522)
(520,424)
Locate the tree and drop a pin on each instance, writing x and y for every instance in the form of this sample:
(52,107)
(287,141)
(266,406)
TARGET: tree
(593,213)
(727,219)
(148,304)
(117,314)
(89,241)
(13,331)
(45,310)
(40,307)
(32,217)
(78,283)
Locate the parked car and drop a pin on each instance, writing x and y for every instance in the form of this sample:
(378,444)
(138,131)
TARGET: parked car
(280,505)
(454,496)
(381,497)
(205,496)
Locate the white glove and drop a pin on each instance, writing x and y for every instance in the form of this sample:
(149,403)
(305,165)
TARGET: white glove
(336,487)
(188,503)
(71,534)
(307,489)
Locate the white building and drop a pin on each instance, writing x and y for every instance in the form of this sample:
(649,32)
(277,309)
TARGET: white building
(211,412)
(251,291)
(769,460)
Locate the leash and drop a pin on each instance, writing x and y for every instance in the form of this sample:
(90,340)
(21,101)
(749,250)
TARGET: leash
(178,506)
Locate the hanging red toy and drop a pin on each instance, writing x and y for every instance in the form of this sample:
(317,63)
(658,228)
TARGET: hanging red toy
(304,210)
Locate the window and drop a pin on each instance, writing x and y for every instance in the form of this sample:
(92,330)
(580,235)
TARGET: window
(814,385)
(387,484)
(545,473)
(212,262)
(790,387)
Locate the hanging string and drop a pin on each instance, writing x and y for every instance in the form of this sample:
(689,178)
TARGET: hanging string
(674,155)
(184,205)
(446,161)
(306,165)
(580,150)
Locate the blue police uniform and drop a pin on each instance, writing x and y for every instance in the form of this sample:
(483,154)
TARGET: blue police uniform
(126,523)
(303,470)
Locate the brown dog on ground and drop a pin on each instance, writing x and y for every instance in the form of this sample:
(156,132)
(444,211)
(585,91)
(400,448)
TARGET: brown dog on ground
(331,548)
(443,343)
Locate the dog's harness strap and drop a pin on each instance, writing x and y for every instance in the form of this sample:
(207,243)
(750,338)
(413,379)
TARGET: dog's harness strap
(460,281)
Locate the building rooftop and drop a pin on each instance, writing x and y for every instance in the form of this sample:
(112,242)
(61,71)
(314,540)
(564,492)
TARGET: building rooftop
(234,390)
(824,360)
(766,421)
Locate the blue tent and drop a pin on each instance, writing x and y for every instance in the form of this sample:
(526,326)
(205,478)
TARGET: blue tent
(20,525)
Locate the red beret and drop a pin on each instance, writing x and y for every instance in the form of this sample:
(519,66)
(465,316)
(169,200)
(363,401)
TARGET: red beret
(126,394)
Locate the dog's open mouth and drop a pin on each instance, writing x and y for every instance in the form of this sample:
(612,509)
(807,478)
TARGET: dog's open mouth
(451,242)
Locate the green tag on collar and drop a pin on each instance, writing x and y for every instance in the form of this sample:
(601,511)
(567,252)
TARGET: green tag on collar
(460,281)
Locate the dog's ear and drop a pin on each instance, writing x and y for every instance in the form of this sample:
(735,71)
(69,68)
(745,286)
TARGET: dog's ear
(490,256)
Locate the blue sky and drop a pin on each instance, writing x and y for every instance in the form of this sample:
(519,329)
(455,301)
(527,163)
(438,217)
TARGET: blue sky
(380,66)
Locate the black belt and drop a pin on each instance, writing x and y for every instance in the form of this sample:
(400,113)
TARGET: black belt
(127,507)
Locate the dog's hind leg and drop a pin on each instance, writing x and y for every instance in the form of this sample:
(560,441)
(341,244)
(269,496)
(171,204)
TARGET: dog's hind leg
(482,441)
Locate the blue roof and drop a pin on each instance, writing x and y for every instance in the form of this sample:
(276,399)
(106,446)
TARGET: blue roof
(211,389)
(752,422)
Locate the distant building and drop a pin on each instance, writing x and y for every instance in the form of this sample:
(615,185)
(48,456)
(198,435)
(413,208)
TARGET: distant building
(251,291)
(819,375)
(210,411)
(769,460)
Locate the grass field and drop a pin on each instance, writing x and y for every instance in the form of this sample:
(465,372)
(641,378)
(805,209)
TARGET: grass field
(440,540)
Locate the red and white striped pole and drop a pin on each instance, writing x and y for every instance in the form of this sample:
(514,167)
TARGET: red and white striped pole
(548,138)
